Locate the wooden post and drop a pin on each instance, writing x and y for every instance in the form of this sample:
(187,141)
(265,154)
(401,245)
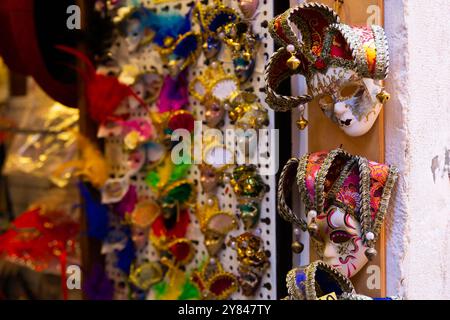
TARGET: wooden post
(324,135)
(90,248)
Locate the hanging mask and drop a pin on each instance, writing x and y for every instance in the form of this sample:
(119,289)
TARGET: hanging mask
(139,237)
(215,225)
(214,88)
(133,24)
(248,7)
(343,66)
(164,231)
(249,189)
(115,189)
(243,66)
(154,153)
(217,155)
(146,274)
(317,281)
(141,218)
(214,112)
(182,251)
(176,195)
(244,45)
(253,261)
(182,53)
(211,47)
(209,178)
(148,87)
(346,198)
(212,20)
(136,161)
(168,122)
(213,282)
(247,113)
(115,241)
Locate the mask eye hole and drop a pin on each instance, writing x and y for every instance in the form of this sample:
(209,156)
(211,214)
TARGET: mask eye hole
(326,100)
(350,90)
(340,236)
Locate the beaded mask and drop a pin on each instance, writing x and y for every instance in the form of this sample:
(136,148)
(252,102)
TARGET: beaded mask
(253,261)
(343,66)
(346,198)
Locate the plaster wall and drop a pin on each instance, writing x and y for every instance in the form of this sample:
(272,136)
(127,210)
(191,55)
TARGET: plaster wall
(417,133)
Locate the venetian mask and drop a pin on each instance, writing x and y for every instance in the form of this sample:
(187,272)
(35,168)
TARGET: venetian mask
(214,88)
(317,281)
(339,241)
(213,282)
(214,112)
(215,225)
(248,7)
(115,189)
(132,23)
(147,86)
(209,178)
(141,218)
(346,198)
(347,99)
(139,237)
(249,189)
(343,67)
(253,261)
(247,113)
(182,53)
(212,20)
(146,274)
(211,47)
(244,47)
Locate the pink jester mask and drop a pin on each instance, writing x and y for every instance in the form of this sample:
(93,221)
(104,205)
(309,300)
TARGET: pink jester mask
(346,198)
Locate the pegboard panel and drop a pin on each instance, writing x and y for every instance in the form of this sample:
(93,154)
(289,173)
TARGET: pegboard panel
(147,59)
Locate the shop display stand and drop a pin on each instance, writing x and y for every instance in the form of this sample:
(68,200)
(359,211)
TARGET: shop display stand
(227,200)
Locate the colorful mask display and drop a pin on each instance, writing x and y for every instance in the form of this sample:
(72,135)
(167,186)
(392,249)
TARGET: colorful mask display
(346,198)
(343,66)
(150,197)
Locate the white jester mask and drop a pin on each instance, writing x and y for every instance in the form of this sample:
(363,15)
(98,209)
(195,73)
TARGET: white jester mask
(347,99)
(346,198)
(343,66)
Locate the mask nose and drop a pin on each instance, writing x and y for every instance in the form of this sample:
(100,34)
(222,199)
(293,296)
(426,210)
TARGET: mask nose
(329,251)
(339,108)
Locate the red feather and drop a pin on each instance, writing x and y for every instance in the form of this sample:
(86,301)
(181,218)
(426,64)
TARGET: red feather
(103,93)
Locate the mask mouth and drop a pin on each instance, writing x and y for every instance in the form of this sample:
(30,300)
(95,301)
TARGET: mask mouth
(346,123)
